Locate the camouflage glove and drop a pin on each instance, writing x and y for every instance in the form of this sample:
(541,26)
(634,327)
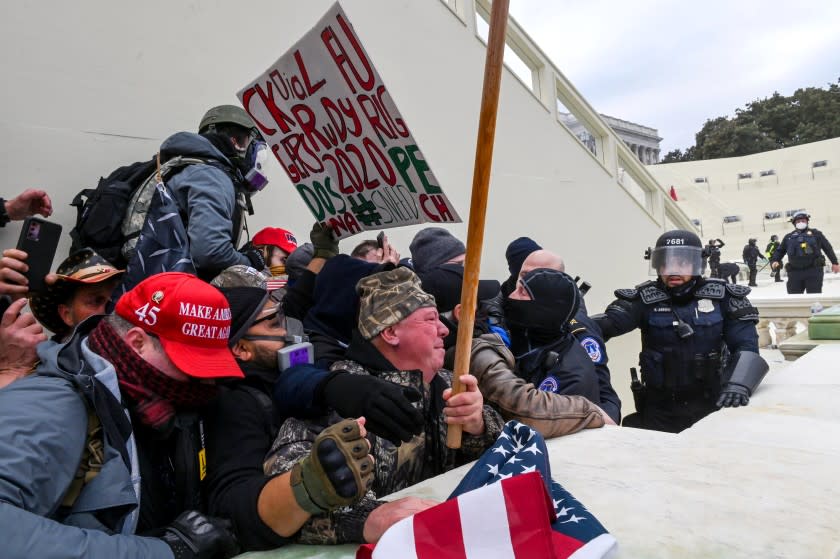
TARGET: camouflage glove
(322,239)
(195,536)
(337,472)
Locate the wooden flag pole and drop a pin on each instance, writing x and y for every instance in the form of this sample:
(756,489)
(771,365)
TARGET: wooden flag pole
(478,203)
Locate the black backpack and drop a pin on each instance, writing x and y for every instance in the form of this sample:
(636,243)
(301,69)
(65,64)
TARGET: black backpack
(100,211)
(110,218)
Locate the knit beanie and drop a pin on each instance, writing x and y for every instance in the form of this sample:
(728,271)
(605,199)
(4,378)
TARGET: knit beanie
(517,251)
(433,246)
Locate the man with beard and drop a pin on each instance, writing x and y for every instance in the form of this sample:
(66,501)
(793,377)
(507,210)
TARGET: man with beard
(689,327)
(267,510)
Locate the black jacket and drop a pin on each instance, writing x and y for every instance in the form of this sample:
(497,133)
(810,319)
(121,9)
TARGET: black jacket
(240,431)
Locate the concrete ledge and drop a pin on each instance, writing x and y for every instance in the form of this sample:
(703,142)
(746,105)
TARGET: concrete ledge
(796,346)
(791,306)
(759,481)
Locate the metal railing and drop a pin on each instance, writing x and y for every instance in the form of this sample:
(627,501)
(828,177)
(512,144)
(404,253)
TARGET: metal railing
(552,89)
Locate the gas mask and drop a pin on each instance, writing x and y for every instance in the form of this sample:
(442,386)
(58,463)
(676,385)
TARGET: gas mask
(256,158)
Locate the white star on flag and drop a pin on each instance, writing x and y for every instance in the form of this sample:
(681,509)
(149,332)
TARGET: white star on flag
(503,451)
(533,449)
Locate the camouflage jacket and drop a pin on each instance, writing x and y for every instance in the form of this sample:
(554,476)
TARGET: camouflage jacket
(553,415)
(396,468)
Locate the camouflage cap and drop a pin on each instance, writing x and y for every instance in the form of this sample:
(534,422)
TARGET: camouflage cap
(240,275)
(84,266)
(387,298)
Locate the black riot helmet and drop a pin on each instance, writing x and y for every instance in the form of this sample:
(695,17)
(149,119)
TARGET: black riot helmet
(774,238)
(753,241)
(677,253)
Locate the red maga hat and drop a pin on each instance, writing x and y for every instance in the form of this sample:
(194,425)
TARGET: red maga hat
(190,317)
(277,237)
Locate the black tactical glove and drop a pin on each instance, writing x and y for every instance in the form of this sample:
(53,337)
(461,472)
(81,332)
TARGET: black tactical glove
(195,536)
(322,239)
(336,473)
(385,406)
(254,256)
(733,395)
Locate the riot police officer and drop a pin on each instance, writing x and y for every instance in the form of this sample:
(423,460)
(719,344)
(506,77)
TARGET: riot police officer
(699,341)
(768,252)
(803,247)
(712,253)
(751,255)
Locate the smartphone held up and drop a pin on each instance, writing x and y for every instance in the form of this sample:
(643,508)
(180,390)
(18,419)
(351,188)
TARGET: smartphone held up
(39,240)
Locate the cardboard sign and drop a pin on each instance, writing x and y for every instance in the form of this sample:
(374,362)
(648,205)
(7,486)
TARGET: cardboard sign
(330,121)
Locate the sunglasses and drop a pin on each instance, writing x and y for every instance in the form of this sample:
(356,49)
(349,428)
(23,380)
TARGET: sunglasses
(293,327)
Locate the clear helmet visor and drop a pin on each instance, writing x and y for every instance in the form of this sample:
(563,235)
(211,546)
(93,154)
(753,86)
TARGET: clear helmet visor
(676,261)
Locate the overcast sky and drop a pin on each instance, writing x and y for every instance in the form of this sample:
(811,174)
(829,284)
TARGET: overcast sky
(672,65)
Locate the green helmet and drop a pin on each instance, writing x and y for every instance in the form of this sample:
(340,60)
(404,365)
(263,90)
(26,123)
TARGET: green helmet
(229,114)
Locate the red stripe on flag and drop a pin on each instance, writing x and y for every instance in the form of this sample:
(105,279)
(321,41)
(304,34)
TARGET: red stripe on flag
(565,545)
(530,513)
(274,284)
(437,535)
(365,551)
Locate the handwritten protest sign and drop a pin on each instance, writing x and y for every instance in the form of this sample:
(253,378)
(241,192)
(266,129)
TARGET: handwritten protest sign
(331,123)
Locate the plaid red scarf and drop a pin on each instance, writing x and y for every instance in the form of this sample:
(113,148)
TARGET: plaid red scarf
(151,396)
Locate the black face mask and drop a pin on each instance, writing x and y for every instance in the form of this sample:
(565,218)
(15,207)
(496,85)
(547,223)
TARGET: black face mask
(540,323)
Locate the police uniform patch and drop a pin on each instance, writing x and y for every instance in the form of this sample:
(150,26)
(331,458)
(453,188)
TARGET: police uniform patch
(593,348)
(550,384)
(705,305)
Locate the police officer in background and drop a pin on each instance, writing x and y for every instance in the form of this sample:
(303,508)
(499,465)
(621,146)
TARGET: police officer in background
(699,341)
(712,253)
(768,252)
(751,255)
(803,247)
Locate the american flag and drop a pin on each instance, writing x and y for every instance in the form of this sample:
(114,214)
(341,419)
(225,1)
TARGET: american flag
(527,514)
(275,283)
